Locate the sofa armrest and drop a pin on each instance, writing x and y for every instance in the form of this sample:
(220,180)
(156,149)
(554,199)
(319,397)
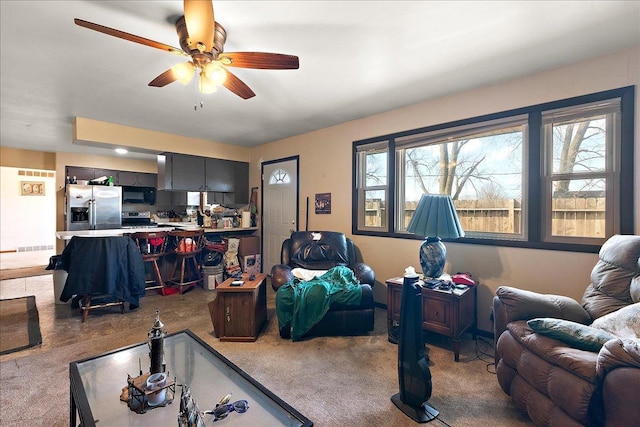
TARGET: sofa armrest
(364,273)
(512,304)
(280,274)
(617,353)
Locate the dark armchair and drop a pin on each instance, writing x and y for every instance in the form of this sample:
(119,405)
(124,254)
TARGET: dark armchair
(322,250)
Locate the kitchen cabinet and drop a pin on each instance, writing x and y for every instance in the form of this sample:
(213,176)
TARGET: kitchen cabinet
(220,198)
(219,175)
(187,173)
(137,179)
(192,173)
(84,173)
(165,198)
(241,193)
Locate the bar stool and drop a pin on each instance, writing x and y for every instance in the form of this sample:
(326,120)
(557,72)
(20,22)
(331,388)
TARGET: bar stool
(186,246)
(103,272)
(152,246)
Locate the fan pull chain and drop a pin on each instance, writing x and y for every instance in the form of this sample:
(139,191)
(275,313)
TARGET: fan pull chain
(196,93)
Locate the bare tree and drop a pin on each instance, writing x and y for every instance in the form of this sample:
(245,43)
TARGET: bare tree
(574,151)
(452,170)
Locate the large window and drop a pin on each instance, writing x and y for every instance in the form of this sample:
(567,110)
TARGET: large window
(479,166)
(581,145)
(542,176)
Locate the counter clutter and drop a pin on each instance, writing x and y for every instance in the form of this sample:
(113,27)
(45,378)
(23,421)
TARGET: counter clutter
(67,235)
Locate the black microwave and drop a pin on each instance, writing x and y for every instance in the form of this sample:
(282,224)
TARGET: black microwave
(145,195)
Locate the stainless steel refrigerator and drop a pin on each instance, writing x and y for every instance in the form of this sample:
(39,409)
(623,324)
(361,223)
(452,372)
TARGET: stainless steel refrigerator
(93,207)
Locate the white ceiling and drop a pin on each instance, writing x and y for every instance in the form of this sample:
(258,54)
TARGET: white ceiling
(357,58)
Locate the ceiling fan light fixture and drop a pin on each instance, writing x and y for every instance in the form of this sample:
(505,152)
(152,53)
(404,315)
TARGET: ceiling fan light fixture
(215,73)
(206,85)
(183,72)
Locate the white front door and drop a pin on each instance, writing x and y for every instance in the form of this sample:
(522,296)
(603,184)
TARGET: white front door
(280,207)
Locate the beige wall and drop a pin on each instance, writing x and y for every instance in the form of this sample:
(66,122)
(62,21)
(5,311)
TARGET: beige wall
(325,167)
(16,158)
(111,135)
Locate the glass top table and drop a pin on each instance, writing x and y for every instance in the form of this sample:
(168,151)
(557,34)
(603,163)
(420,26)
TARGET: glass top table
(96,384)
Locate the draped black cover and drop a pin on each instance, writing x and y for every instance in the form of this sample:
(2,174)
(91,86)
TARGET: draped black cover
(103,265)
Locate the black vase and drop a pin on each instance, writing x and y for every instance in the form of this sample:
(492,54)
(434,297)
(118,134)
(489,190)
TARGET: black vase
(414,375)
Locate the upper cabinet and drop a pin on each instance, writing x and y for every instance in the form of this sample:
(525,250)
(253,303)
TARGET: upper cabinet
(241,170)
(192,173)
(219,175)
(186,173)
(87,174)
(137,179)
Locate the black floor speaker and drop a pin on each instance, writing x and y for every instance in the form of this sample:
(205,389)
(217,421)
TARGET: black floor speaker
(414,375)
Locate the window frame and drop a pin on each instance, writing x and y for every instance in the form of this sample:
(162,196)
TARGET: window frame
(535,191)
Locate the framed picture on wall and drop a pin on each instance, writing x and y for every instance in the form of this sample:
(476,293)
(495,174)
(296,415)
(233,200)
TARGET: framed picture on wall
(32,188)
(323,203)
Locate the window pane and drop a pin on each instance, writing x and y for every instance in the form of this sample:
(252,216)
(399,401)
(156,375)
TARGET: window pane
(376,169)
(578,208)
(279,176)
(482,173)
(375,208)
(579,146)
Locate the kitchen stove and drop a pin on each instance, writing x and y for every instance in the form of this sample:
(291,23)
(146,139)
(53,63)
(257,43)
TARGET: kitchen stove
(137,220)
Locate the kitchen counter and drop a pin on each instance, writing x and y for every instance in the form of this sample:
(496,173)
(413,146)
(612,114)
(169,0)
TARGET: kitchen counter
(67,235)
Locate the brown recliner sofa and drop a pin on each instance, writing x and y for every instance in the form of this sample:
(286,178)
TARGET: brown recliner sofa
(322,250)
(557,383)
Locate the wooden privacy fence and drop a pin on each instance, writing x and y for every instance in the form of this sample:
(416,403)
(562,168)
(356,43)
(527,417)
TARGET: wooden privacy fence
(571,216)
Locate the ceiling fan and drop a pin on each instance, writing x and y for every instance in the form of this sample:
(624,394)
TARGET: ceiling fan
(202,40)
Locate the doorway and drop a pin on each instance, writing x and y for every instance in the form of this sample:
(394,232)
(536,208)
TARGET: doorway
(280,203)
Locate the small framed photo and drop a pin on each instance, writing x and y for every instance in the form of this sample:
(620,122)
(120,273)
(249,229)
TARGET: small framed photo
(31,188)
(323,203)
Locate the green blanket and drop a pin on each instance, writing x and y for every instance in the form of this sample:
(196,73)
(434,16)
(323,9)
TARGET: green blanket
(301,304)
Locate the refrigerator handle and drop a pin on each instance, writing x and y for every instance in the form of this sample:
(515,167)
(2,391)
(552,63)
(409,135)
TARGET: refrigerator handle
(92,218)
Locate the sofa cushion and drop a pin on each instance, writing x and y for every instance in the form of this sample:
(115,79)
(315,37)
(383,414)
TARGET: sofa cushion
(624,323)
(576,334)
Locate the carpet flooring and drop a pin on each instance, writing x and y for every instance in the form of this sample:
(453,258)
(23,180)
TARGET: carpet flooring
(19,324)
(333,381)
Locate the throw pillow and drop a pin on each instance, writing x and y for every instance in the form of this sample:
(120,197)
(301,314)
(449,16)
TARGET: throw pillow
(576,334)
(625,322)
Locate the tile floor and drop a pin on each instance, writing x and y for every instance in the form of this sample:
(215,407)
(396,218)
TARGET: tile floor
(10,260)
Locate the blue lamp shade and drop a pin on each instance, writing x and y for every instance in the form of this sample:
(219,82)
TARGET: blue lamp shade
(435,217)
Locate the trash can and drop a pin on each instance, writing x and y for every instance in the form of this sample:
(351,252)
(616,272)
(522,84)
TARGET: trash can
(59,277)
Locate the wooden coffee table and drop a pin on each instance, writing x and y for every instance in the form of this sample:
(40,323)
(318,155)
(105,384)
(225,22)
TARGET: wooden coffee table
(239,312)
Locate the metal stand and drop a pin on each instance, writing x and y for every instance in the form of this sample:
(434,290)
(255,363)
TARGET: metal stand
(138,393)
(421,414)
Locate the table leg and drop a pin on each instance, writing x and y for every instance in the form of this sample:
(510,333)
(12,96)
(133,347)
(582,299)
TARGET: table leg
(72,409)
(456,350)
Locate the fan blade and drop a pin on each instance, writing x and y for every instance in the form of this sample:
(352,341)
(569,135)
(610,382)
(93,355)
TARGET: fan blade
(237,86)
(164,79)
(198,17)
(126,36)
(259,60)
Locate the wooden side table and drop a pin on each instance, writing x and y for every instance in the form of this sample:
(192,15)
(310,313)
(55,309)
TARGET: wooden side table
(239,312)
(443,312)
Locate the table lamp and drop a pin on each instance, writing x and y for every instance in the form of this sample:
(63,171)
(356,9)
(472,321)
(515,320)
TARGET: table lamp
(435,217)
